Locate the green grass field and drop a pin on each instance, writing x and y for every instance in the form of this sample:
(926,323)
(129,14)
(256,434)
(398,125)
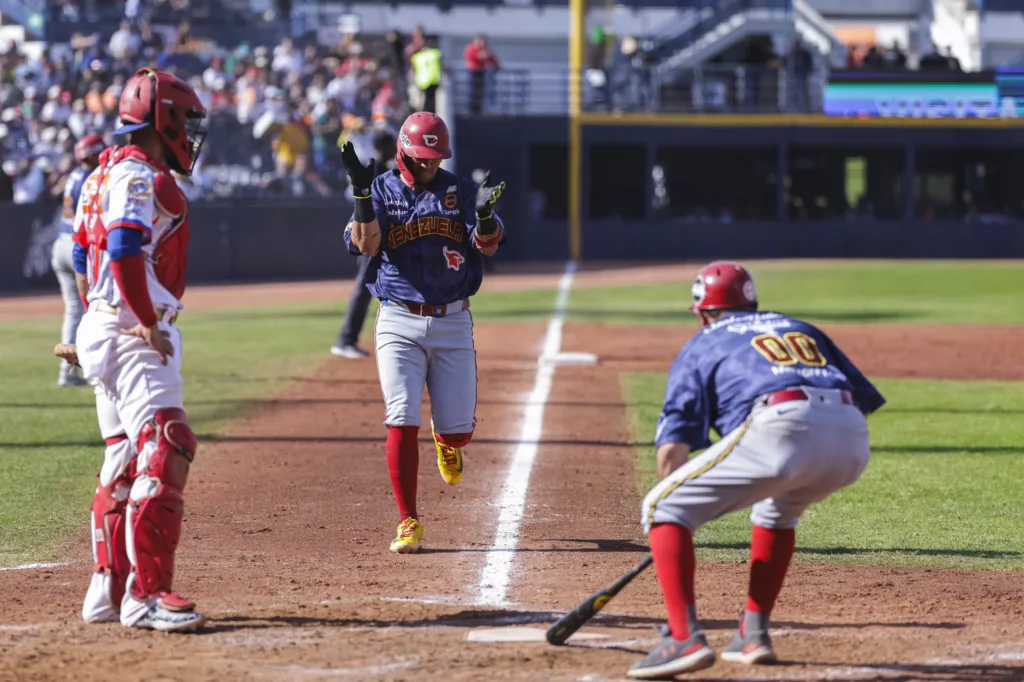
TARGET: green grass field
(859,292)
(50,448)
(942,488)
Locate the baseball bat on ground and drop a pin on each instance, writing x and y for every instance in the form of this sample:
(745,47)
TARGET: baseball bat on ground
(565,626)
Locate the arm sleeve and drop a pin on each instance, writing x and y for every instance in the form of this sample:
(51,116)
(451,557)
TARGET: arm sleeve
(864,392)
(130,274)
(80,258)
(684,414)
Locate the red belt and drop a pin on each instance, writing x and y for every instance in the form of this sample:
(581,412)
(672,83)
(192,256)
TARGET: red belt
(435,310)
(791,394)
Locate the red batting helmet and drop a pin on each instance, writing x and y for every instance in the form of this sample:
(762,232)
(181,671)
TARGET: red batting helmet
(423,136)
(723,285)
(90,145)
(172,108)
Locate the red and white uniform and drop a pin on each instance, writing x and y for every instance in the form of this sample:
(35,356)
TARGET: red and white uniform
(130,191)
(132,542)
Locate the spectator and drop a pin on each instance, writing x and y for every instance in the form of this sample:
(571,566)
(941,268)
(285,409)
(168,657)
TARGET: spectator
(934,60)
(873,59)
(6,184)
(802,64)
(124,44)
(325,129)
(290,143)
(417,41)
(428,66)
(479,58)
(895,57)
(954,63)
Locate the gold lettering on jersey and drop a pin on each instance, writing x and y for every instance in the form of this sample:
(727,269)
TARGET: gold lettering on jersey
(424,227)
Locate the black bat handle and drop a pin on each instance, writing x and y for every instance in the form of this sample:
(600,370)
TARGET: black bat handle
(565,626)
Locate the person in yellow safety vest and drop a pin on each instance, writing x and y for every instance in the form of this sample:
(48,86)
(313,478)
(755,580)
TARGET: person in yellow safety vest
(427,66)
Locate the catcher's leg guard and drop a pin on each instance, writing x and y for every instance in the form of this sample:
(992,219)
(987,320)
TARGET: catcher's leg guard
(155,509)
(110,554)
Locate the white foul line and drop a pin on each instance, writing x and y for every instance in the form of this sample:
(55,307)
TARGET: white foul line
(494,577)
(27,567)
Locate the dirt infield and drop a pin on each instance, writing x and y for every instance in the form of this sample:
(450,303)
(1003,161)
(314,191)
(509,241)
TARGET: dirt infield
(289,515)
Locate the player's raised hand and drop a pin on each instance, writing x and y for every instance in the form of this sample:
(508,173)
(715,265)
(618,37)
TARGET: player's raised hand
(360,175)
(158,339)
(487,195)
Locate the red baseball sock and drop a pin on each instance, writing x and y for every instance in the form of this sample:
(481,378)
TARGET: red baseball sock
(403,456)
(770,552)
(675,563)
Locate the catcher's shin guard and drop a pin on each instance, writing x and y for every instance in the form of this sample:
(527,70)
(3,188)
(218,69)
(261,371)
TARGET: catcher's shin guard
(109,550)
(155,508)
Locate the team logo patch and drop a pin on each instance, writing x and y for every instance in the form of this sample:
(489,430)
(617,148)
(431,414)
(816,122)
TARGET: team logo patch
(450,201)
(698,291)
(140,188)
(453,258)
(749,292)
(430,140)
(405,139)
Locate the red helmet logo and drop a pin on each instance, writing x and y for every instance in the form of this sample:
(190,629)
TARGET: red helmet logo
(723,285)
(423,136)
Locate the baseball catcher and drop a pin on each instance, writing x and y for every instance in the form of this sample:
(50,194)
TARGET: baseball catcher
(131,235)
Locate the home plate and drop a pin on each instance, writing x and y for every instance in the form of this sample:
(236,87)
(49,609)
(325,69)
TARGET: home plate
(520,634)
(571,359)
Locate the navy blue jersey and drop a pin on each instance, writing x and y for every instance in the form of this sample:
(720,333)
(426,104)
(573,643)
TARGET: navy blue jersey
(721,371)
(427,250)
(72,190)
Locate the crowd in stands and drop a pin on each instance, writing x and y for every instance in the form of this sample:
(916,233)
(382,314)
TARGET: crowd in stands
(876,58)
(277,116)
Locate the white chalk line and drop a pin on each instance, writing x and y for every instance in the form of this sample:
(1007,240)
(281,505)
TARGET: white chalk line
(29,567)
(497,569)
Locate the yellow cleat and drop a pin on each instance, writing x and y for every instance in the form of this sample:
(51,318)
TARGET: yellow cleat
(449,462)
(410,534)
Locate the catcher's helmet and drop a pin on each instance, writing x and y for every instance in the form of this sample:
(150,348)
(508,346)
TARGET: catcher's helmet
(172,108)
(90,145)
(423,136)
(723,285)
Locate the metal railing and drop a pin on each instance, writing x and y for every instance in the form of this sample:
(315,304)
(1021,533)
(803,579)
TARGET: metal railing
(706,89)
(24,12)
(709,16)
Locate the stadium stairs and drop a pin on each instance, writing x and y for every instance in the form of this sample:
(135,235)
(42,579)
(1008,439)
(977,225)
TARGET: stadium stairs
(706,28)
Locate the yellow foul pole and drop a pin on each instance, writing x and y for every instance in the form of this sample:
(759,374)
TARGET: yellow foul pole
(577,40)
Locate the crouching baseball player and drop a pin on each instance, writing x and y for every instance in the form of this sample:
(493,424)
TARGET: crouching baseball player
(426,232)
(132,231)
(791,409)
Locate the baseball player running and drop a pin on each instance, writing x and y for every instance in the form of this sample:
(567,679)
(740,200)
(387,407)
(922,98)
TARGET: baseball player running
(426,232)
(87,153)
(791,409)
(132,231)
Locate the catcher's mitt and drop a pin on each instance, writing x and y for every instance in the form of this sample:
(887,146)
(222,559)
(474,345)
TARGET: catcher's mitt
(67,352)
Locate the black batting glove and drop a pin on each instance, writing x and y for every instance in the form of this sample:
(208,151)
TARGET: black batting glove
(486,196)
(360,175)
